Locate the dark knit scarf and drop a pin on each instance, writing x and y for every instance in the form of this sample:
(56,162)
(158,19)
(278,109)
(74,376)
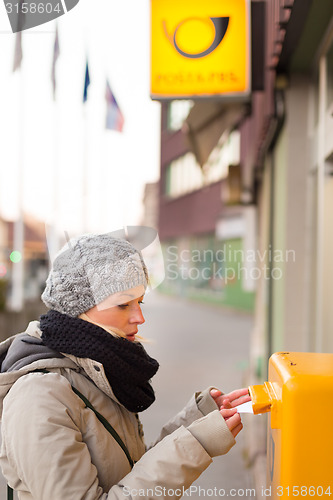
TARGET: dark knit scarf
(126,364)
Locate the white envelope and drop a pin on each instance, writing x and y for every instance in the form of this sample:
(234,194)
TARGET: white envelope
(245,407)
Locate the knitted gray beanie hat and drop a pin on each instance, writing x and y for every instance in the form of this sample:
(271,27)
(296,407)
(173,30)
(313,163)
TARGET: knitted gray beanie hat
(89,269)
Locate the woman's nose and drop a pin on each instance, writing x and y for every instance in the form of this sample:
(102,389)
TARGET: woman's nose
(137,316)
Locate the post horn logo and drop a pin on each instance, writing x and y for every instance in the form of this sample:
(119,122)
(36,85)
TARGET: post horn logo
(219,24)
(25,14)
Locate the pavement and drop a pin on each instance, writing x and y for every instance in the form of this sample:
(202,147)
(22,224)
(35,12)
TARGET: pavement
(197,345)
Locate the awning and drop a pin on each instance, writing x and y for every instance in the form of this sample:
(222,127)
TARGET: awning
(207,121)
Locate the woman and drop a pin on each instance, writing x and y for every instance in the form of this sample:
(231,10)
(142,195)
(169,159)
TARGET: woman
(72,384)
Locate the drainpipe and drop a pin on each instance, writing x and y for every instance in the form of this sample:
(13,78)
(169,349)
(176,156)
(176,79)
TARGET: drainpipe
(279,118)
(320,207)
(276,124)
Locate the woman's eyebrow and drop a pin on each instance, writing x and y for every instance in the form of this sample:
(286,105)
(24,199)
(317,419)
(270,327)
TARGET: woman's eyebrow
(129,295)
(125,295)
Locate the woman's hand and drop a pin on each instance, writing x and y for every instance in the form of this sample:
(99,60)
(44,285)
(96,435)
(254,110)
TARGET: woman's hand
(227,404)
(231,400)
(233,420)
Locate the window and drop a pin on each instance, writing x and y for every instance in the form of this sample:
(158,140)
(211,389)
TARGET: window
(177,113)
(226,153)
(184,174)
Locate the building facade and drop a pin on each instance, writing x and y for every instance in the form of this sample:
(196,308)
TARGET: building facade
(272,202)
(201,222)
(256,179)
(293,175)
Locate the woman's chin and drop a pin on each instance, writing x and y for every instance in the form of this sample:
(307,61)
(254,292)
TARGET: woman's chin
(131,338)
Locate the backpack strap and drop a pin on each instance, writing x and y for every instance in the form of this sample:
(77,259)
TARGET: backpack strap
(10,493)
(107,426)
(102,419)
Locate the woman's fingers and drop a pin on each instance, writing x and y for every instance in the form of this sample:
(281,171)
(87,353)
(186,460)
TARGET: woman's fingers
(238,393)
(217,396)
(215,393)
(226,403)
(237,429)
(240,401)
(227,413)
(236,398)
(234,423)
(232,399)
(233,420)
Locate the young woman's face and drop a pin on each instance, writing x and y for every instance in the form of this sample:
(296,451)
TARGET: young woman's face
(121,310)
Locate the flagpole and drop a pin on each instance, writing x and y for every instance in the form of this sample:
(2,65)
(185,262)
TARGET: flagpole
(85,172)
(115,122)
(86,151)
(52,229)
(17,295)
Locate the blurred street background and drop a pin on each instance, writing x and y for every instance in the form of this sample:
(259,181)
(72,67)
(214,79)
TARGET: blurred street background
(209,122)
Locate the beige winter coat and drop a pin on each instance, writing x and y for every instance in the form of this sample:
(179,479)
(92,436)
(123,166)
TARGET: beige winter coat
(55,448)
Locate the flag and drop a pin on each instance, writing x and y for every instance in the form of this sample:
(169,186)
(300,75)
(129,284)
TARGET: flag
(56,52)
(86,83)
(114,116)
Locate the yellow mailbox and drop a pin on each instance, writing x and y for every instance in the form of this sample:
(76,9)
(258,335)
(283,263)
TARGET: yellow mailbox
(299,397)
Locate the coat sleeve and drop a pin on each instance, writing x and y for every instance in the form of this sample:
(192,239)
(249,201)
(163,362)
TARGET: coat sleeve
(168,469)
(200,404)
(43,443)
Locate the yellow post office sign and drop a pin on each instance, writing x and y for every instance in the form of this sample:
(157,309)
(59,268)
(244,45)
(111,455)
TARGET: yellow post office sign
(200,48)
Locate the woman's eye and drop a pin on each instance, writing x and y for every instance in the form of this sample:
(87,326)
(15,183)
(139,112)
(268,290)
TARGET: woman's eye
(122,306)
